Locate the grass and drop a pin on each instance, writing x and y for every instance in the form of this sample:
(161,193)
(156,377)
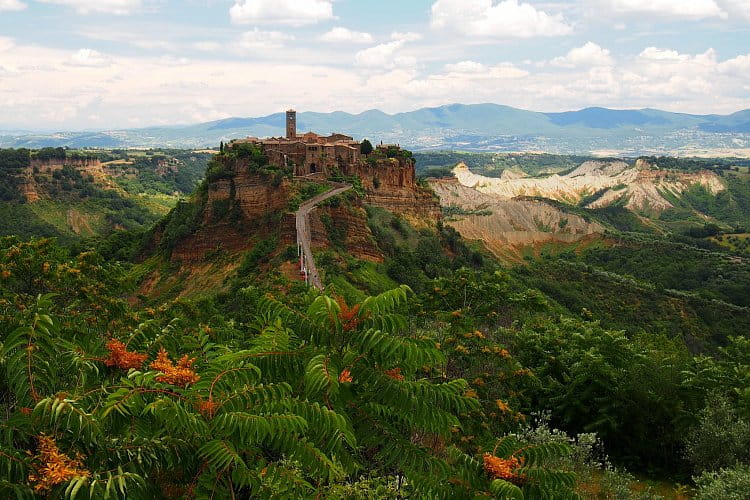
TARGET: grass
(738,243)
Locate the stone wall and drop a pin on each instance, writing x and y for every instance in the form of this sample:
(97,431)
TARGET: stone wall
(392,184)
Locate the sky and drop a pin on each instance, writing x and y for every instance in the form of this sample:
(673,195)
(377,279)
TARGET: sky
(107,64)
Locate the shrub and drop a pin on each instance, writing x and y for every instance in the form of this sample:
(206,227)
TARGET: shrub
(720,439)
(725,484)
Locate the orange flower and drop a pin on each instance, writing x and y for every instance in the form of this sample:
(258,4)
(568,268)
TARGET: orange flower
(181,375)
(207,407)
(394,373)
(503,468)
(502,405)
(120,357)
(349,316)
(345,376)
(54,466)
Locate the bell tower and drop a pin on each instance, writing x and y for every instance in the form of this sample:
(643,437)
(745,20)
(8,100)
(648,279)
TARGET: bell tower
(291,124)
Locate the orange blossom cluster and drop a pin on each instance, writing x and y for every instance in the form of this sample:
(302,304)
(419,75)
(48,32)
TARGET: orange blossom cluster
(120,357)
(181,374)
(56,467)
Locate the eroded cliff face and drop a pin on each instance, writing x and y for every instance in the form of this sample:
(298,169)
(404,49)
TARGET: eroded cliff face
(34,191)
(640,186)
(508,224)
(238,208)
(392,185)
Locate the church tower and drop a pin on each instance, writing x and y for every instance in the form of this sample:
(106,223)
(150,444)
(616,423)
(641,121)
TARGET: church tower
(291,124)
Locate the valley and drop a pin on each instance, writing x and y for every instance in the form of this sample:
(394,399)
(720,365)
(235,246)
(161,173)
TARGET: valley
(516,266)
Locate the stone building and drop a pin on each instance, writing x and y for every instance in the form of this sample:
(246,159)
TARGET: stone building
(308,153)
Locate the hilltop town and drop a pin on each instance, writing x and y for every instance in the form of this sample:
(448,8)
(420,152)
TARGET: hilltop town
(311,153)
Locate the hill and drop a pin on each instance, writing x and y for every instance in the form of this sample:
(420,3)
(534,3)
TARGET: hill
(489,127)
(79,194)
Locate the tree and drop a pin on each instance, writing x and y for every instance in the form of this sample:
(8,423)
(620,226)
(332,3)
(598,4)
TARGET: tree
(366,147)
(721,438)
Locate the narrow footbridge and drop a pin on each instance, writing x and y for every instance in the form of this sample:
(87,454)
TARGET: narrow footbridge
(304,242)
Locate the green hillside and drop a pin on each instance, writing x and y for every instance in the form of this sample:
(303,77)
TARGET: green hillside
(611,370)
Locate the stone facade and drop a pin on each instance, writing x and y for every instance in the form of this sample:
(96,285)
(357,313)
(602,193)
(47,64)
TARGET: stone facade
(308,153)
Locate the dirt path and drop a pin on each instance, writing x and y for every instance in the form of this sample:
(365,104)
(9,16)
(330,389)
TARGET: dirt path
(304,242)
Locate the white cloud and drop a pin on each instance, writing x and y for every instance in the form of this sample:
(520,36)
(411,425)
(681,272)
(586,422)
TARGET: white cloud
(465,67)
(388,55)
(117,7)
(736,8)
(384,56)
(739,66)
(506,19)
(683,9)
(11,5)
(345,35)
(408,36)
(188,90)
(286,12)
(590,54)
(263,40)
(90,58)
(207,46)
(6,43)
(474,70)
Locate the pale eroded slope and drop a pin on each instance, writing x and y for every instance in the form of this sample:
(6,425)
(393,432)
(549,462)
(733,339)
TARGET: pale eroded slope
(512,223)
(640,186)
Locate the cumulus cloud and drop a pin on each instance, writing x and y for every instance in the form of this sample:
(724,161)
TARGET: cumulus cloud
(90,58)
(285,12)
(506,19)
(682,9)
(384,56)
(261,40)
(345,35)
(117,7)
(388,55)
(590,54)
(408,36)
(474,70)
(736,8)
(11,5)
(738,66)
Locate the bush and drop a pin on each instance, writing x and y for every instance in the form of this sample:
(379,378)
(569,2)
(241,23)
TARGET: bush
(721,438)
(726,484)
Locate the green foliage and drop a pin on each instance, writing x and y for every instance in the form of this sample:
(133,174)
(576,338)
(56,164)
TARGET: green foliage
(417,256)
(720,439)
(726,484)
(365,147)
(636,305)
(637,387)
(13,164)
(182,221)
(299,399)
(259,254)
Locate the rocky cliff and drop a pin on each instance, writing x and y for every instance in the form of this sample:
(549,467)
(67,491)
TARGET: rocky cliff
(640,186)
(506,224)
(391,183)
(238,205)
(33,183)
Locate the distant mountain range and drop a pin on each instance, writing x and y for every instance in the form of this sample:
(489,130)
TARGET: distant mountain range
(480,127)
